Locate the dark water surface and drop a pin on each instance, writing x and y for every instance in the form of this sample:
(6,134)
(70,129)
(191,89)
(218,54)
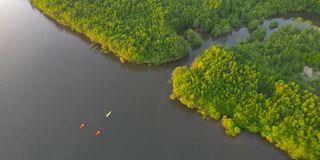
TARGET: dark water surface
(50,81)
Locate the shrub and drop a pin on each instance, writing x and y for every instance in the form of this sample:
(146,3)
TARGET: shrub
(193,38)
(274,24)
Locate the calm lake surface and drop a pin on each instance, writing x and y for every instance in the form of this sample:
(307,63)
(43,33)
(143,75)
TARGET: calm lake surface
(50,81)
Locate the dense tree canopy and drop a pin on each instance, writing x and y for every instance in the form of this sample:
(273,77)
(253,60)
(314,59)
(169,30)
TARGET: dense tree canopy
(217,86)
(284,54)
(145,31)
(193,38)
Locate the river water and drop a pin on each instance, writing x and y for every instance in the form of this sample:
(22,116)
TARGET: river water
(50,81)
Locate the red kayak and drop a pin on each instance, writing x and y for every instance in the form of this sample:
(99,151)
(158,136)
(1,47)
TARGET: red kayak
(82,125)
(98,133)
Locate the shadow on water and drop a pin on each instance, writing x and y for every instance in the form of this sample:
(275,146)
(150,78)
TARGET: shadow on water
(229,40)
(111,56)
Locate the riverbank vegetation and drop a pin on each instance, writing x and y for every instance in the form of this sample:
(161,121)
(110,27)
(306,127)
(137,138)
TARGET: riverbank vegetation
(257,86)
(284,55)
(193,38)
(274,24)
(258,34)
(218,86)
(145,31)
